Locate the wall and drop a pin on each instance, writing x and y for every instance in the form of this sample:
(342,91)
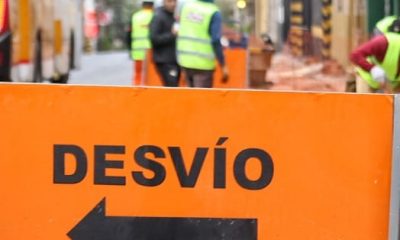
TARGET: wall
(349,28)
(261,16)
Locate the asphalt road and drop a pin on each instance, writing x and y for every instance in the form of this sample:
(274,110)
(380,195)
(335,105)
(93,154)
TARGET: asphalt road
(111,68)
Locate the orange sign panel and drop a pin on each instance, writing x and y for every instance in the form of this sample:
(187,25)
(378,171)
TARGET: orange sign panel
(137,163)
(236,60)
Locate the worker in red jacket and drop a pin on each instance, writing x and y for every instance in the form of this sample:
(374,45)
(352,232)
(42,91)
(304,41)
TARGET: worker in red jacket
(378,62)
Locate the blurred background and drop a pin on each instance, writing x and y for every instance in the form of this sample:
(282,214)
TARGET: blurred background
(288,44)
(324,23)
(107,21)
(318,28)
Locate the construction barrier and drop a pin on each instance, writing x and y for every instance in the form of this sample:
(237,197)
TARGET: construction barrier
(236,60)
(85,162)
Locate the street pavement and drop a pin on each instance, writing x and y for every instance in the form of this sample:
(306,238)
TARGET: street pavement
(109,68)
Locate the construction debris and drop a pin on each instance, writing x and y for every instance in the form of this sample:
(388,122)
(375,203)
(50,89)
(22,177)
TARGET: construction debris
(307,74)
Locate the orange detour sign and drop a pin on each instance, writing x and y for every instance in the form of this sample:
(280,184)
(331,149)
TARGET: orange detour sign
(236,59)
(137,163)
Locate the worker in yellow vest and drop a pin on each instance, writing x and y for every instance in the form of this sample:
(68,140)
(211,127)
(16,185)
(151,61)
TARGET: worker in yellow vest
(140,40)
(378,62)
(199,43)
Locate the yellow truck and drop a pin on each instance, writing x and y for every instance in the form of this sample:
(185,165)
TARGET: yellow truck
(40,39)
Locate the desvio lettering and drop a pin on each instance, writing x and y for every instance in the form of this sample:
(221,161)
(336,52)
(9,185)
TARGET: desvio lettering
(187,177)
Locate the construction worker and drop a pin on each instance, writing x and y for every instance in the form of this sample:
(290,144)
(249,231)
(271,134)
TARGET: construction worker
(163,40)
(140,39)
(199,44)
(378,62)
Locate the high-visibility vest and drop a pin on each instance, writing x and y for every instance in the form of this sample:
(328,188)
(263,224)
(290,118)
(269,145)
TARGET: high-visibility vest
(140,34)
(384,24)
(194,44)
(390,63)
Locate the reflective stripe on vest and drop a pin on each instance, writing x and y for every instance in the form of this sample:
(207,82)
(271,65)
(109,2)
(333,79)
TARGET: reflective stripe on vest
(194,46)
(140,34)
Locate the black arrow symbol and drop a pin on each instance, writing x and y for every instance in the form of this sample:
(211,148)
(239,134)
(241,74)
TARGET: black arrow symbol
(97,226)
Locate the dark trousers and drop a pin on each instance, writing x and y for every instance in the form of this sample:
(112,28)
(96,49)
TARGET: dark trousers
(199,78)
(169,74)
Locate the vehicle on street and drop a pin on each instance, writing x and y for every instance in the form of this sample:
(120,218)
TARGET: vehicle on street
(40,39)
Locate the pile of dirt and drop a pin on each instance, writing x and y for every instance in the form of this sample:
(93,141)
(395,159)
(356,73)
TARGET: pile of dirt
(288,73)
(333,68)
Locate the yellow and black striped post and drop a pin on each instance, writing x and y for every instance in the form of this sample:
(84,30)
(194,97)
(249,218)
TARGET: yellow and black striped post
(296,31)
(326,26)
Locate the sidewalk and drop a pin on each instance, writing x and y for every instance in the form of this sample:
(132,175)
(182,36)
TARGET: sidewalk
(288,73)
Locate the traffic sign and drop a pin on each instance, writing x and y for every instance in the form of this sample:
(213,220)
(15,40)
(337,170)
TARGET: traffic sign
(86,162)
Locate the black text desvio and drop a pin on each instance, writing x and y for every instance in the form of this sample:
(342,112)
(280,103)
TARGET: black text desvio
(187,176)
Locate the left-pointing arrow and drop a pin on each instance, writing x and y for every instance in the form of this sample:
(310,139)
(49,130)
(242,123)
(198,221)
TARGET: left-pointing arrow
(97,226)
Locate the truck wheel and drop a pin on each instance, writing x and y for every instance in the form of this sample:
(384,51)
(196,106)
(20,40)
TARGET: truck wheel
(37,63)
(62,79)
